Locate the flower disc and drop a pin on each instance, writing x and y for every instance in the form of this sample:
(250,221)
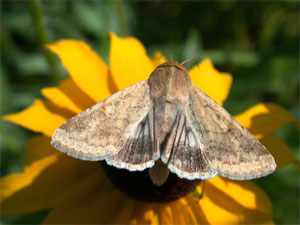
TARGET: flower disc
(138,185)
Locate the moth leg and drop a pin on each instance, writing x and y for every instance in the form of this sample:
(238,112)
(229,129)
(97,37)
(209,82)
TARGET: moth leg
(200,195)
(202,189)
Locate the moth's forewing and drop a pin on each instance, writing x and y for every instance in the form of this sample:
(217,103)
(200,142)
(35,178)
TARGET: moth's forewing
(140,150)
(228,148)
(183,154)
(102,130)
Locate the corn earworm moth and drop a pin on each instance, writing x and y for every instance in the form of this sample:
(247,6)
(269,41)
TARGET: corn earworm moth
(167,122)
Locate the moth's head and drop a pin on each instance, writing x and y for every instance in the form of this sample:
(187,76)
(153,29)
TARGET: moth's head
(171,81)
(173,64)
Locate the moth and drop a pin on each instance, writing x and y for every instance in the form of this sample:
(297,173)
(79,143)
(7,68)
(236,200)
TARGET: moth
(168,125)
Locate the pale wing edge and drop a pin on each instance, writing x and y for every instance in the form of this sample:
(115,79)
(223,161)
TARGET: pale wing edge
(94,154)
(131,167)
(245,176)
(190,176)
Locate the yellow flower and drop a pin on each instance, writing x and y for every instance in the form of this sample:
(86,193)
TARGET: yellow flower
(79,192)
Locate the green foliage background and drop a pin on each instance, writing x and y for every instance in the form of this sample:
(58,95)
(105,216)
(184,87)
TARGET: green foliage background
(256,41)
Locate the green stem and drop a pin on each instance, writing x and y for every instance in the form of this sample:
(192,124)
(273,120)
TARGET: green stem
(43,38)
(123,18)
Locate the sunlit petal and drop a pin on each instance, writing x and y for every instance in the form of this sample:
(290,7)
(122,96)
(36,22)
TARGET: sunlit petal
(166,214)
(38,117)
(235,202)
(68,95)
(145,213)
(198,212)
(129,62)
(264,118)
(190,215)
(158,58)
(214,83)
(86,68)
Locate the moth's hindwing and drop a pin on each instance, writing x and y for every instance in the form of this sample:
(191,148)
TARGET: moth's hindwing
(228,148)
(182,152)
(102,130)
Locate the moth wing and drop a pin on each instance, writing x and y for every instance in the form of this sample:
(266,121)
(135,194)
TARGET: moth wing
(103,129)
(183,154)
(228,148)
(140,150)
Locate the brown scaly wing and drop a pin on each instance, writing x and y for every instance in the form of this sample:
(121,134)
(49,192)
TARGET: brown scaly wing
(102,130)
(228,148)
(141,150)
(182,152)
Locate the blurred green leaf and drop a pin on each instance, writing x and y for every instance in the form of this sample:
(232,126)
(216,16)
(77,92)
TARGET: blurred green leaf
(31,64)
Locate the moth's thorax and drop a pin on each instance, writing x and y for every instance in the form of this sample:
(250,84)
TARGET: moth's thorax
(171,82)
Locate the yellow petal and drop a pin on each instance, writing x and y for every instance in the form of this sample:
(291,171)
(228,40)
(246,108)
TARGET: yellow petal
(196,209)
(15,182)
(158,59)
(102,211)
(38,147)
(39,117)
(190,216)
(182,211)
(80,196)
(42,184)
(279,149)
(129,62)
(85,67)
(166,214)
(214,83)
(145,213)
(178,215)
(127,209)
(264,118)
(135,212)
(68,95)
(246,193)
(151,215)
(235,202)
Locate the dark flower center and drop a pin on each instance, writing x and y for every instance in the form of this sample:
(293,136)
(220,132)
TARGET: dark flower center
(138,185)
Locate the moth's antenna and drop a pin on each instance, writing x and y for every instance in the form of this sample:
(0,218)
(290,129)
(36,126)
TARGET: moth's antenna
(169,55)
(187,60)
